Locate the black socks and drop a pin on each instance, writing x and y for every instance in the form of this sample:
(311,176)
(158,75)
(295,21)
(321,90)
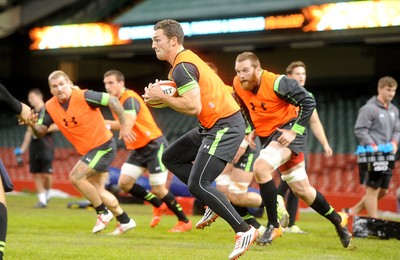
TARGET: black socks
(269,193)
(174,206)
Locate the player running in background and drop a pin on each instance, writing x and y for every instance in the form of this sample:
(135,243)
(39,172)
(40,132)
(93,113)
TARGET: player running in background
(297,70)
(41,152)
(198,157)
(146,153)
(76,113)
(272,98)
(9,103)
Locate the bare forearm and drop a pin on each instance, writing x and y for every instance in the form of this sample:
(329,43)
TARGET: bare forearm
(319,133)
(114,125)
(39,130)
(27,140)
(183,105)
(117,108)
(52,128)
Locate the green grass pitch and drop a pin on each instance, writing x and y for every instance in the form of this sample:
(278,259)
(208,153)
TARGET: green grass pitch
(61,233)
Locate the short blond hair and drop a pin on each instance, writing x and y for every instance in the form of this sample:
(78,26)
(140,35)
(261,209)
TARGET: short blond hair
(58,73)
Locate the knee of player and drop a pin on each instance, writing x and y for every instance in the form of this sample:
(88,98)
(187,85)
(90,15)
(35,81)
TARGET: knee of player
(262,171)
(262,167)
(194,187)
(159,190)
(125,185)
(74,177)
(237,199)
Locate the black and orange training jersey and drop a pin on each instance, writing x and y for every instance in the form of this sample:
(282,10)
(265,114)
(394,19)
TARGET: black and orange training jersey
(144,127)
(216,100)
(82,125)
(277,101)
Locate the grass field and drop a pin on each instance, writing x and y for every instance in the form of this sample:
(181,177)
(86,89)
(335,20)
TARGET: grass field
(61,233)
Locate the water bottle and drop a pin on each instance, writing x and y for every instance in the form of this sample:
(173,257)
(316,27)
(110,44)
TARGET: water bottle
(361,158)
(389,155)
(380,154)
(18,154)
(371,158)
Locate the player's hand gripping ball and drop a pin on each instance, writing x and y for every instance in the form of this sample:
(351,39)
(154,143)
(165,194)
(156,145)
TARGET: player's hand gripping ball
(169,88)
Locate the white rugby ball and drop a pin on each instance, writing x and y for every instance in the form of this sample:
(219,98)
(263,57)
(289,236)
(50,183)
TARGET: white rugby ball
(169,88)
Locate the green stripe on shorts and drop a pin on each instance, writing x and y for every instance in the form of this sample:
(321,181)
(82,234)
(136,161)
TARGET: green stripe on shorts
(249,162)
(159,155)
(98,156)
(218,138)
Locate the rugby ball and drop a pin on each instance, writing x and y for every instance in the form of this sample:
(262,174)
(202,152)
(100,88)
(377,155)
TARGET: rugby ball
(169,88)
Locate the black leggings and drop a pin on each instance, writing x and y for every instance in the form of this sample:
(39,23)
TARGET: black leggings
(198,170)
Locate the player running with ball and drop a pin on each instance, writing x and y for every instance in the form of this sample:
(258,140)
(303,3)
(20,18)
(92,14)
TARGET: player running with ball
(199,156)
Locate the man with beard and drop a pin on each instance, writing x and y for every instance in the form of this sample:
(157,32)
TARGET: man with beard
(270,100)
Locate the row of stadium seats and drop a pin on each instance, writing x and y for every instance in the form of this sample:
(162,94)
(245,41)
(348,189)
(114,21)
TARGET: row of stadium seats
(336,176)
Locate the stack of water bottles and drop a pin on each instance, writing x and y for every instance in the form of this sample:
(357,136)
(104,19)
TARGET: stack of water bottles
(375,161)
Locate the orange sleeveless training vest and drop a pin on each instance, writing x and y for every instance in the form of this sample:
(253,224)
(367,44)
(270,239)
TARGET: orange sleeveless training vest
(267,110)
(145,127)
(81,124)
(216,100)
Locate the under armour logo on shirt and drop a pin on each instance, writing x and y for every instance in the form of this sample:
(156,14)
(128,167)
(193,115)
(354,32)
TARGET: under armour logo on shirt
(253,107)
(67,123)
(206,146)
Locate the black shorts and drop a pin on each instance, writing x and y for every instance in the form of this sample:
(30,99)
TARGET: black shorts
(247,160)
(101,157)
(149,156)
(378,179)
(298,145)
(362,176)
(223,139)
(40,160)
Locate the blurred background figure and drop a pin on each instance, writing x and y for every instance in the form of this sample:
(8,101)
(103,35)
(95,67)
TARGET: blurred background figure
(41,152)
